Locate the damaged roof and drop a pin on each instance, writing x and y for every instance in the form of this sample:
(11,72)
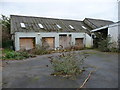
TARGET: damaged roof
(43,24)
(96,23)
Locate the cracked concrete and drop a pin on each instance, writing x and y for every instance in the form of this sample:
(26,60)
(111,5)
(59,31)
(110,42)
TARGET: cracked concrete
(33,73)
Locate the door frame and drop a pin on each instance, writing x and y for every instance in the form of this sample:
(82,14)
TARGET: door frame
(34,40)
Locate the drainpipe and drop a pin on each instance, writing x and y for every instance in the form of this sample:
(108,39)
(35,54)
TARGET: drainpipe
(92,39)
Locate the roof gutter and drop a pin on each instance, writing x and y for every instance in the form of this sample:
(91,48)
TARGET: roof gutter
(111,25)
(97,29)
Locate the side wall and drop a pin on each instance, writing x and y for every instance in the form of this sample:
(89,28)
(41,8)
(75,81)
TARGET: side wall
(87,40)
(113,32)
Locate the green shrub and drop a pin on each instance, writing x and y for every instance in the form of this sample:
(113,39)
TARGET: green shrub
(107,46)
(67,64)
(39,50)
(114,50)
(7,44)
(10,54)
(25,54)
(71,48)
(6,50)
(104,44)
(76,47)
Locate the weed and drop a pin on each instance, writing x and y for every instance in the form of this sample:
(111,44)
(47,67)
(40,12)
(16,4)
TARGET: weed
(36,78)
(107,46)
(10,54)
(39,50)
(67,64)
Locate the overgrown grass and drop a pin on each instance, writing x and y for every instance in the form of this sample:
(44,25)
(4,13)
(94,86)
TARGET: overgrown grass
(40,50)
(88,52)
(13,55)
(8,54)
(73,48)
(114,50)
(0,52)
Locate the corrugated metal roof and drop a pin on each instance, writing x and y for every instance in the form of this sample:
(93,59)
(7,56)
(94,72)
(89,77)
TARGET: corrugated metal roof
(49,24)
(96,23)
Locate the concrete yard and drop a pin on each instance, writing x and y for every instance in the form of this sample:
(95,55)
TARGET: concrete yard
(33,72)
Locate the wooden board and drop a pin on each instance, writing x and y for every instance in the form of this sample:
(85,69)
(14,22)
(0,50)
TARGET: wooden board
(26,43)
(79,42)
(64,41)
(48,41)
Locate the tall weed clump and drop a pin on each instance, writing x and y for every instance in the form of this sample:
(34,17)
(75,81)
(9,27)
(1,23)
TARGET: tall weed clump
(40,50)
(67,64)
(105,45)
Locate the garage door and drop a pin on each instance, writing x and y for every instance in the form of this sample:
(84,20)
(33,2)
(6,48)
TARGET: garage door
(48,41)
(64,40)
(79,42)
(27,43)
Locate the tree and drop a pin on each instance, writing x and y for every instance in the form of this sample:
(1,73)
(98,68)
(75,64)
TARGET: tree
(5,21)
(6,36)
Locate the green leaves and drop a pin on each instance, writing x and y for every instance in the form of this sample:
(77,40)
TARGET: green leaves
(12,55)
(5,21)
(67,64)
(40,50)
(105,45)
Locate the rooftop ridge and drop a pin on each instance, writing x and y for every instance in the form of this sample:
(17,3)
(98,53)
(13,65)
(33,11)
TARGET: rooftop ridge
(45,18)
(99,19)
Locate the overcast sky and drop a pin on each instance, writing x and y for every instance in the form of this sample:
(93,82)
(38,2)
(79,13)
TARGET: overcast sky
(68,9)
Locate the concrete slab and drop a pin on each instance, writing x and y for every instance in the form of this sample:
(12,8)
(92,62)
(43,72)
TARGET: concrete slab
(33,73)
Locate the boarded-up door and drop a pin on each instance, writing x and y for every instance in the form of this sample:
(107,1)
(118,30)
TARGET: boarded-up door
(48,41)
(27,43)
(64,40)
(79,42)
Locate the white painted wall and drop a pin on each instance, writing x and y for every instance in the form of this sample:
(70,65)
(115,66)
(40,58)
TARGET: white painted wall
(113,32)
(87,40)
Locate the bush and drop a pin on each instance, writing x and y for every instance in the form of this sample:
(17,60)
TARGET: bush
(114,50)
(10,54)
(7,44)
(104,45)
(25,54)
(73,48)
(107,46)
(67,64)
(76,47)
(39,50)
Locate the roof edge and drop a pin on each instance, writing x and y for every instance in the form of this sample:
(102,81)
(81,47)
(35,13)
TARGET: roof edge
(98,19)
(46,18)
